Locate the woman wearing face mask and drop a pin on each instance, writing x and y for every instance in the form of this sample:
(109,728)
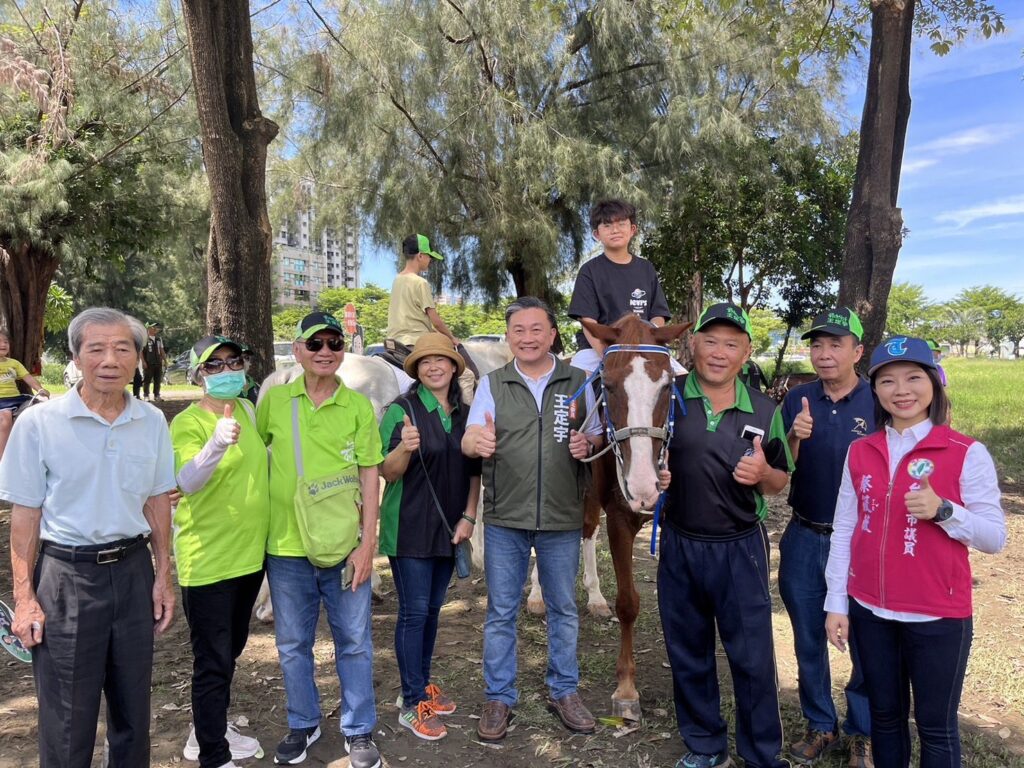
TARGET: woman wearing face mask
(220,534)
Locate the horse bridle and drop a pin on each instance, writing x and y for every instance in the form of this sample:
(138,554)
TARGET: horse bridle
(616,437)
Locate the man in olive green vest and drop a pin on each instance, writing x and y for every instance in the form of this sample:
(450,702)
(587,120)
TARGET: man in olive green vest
(527,427)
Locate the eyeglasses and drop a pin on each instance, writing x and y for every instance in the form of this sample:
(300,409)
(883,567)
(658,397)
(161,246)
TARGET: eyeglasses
(217,365)
(335,344)
(617,224)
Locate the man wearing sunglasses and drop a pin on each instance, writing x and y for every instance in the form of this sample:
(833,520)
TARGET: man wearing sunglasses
(338,446)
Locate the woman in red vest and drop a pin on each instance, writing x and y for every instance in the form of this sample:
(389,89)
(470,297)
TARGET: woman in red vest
(915,495)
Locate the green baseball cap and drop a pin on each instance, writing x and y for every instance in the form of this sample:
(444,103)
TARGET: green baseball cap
(933,345)
(206,346)
(317,321)
(724,312)
(841,321)
(414,244)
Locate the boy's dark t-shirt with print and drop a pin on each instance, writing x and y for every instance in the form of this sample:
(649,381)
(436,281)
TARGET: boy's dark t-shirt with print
(605,291)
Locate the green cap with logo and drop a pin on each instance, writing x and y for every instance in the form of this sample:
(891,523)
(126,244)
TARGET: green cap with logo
(414,244)
(206,346)
(841,321)
(317,321)
(724,312)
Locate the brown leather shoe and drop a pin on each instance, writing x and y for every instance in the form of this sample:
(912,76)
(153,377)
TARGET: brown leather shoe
(813,746)
(494,719)
(860,753)
(573,713)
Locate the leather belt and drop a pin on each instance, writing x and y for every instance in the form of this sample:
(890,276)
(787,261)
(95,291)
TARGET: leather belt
(101,554)
(825,529)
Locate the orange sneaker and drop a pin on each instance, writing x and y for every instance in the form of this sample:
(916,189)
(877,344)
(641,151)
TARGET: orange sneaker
(422,721)
(440,703)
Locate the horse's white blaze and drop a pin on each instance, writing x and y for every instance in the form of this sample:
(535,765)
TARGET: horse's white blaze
(642,395)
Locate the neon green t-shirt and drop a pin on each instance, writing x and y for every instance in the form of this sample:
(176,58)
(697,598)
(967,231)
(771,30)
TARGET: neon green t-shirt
(339,434)
(10,371)
(220,531)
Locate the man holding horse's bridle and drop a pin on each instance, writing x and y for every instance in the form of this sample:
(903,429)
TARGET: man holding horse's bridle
(527,426)
(728,451)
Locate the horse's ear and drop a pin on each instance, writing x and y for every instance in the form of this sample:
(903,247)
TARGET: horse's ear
(669,333)
(598,331)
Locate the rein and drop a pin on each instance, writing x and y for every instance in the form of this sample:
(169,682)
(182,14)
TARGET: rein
(616,437)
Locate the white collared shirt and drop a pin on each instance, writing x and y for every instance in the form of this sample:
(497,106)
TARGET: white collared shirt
(91,478)
(979,523)
(483,400)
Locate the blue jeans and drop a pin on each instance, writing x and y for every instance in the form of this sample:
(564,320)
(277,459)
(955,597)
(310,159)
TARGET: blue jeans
(421,583)
(297,588)
(928,658)
(803,554)
(506,560)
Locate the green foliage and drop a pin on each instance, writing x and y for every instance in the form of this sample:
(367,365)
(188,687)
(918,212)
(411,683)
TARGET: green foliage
(763,323)
(286,321)
(910,313)
(53,374)
(59,309)
(983,308)
(371,305)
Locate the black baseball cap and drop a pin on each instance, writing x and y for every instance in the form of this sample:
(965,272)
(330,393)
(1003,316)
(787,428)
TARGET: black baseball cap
(414,244)
(317,321)
(724,312)
(841,321)
(206,346)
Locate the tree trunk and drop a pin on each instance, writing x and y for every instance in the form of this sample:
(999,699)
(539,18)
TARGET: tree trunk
(529,282)
(235,137)
(874,228)
(25,276)
(690,314)
(782,352)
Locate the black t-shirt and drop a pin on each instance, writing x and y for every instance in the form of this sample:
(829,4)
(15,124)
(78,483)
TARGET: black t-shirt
(605,291)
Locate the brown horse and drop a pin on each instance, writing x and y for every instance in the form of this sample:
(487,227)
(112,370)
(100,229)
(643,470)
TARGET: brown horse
(637,404)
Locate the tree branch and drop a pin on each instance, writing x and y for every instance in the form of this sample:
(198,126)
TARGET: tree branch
(488,72)
(568,87)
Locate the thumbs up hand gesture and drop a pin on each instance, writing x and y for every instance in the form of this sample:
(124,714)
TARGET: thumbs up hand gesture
(410,435)
(752,467)
(487,439)
(924,502)
(803,424)
(227,430)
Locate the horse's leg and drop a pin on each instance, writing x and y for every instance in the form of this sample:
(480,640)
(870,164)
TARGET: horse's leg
(535,601)
(623,525)
(477,539)
(596,604)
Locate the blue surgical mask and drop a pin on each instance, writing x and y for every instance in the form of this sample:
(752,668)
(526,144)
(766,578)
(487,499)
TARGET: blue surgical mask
(224,386)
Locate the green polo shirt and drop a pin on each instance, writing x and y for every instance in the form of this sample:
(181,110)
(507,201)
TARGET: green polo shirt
(339,434)
(704,500)
(220,531)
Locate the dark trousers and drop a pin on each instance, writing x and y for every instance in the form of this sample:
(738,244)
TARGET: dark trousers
(137,383)
(702,584)
(218,617)
(152,373)
(98,638)
(421,584)
(803,554)
(929,657)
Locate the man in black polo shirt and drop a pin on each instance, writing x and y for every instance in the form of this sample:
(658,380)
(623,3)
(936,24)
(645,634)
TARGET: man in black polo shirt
(728,452)
(822,418)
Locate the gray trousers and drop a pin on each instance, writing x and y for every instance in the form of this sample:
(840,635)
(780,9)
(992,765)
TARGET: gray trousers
(98,638)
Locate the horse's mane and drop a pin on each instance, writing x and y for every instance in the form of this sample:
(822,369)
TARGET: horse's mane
(632,330)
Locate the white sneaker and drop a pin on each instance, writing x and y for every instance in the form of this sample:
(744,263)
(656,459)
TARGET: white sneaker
(241,746)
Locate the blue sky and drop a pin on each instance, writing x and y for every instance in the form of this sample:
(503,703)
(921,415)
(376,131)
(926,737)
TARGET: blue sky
(962,191)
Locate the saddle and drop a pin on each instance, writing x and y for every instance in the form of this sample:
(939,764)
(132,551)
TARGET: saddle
(395,353)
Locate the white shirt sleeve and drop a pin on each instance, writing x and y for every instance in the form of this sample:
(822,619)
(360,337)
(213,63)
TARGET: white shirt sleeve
(843,525)
(163,478)
(197,472)
(594,425)
(483,402)
(980,523)
(22,470)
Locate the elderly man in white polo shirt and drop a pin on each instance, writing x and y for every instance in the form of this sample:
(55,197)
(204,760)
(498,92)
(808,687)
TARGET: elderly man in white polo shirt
(88,475)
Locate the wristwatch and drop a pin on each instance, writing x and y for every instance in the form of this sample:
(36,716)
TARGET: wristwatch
(944,512)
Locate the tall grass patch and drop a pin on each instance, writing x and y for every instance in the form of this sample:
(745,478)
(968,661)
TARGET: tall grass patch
(988,405)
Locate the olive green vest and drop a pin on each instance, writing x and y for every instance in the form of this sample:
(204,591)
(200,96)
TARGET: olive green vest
(532,482)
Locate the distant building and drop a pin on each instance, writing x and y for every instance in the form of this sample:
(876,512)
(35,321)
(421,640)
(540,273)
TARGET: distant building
(304,265)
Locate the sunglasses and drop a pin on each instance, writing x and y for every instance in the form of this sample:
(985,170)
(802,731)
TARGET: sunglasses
(231,363)
(335,344)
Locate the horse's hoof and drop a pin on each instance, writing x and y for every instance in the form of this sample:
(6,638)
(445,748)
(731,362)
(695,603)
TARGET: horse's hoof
(600,610)
(536,607)
(265,616)
(627,710)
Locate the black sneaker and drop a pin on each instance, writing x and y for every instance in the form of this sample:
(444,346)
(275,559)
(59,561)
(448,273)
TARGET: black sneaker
(362,752)
(292,749)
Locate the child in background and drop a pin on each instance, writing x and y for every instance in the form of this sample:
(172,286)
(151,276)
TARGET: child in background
(11,371)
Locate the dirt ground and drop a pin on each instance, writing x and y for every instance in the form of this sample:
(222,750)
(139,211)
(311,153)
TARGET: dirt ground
(991,708)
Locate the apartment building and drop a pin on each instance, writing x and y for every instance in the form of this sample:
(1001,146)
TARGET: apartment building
(305,264)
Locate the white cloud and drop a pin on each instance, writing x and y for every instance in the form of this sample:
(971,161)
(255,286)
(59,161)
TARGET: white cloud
(913,166)
(972,138)
(1007,206)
